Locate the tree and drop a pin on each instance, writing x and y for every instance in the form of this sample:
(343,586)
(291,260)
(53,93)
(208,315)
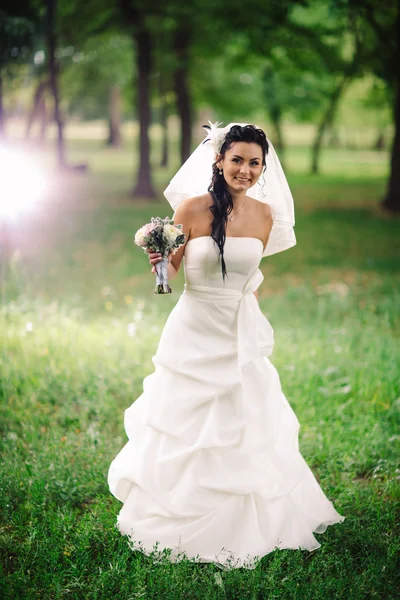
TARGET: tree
(164,68)
(182,39)
(379,24)
(18,23)
(164,110)
(296,81)
(135,17)
(68,23)
(173,30)
(53,76)
(96,78)
(391,201)
(298,52)
(80,20)
(39,110)
(324,57)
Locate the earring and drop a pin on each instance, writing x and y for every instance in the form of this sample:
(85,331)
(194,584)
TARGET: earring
(220,172)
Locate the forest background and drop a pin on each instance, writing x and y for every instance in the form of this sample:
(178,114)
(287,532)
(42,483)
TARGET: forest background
(100,103)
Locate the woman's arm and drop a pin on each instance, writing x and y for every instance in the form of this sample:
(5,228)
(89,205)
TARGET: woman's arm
(172,272)
(266,219)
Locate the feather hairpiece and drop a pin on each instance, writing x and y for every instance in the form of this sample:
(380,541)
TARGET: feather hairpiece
(215,135)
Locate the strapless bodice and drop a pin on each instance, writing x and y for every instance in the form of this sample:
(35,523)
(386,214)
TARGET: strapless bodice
(204,282)
(202,266)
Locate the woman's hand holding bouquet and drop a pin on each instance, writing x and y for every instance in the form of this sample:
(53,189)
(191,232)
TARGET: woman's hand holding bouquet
(162,239)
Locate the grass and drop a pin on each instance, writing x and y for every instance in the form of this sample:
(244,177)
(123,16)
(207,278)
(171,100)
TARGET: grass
(79,326)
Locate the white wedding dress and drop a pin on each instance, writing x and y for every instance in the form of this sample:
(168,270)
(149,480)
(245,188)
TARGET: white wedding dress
(212,468)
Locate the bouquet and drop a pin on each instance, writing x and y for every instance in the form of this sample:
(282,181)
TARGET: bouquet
(161,235)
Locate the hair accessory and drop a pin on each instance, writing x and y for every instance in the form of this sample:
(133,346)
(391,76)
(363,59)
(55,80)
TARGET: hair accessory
(215,135)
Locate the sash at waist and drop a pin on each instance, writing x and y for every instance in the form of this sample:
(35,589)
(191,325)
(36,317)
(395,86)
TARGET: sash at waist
(255,335)
(211,294)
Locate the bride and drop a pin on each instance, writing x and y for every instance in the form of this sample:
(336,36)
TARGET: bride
(212,469)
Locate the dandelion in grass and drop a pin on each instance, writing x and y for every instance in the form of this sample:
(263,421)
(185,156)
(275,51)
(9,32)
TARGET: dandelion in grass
(131,329)
(161,235)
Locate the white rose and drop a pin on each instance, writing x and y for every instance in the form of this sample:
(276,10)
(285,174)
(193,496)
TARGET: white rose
(140,237)
(170,233)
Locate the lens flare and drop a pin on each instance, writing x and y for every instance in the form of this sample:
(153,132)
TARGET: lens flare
(21,183)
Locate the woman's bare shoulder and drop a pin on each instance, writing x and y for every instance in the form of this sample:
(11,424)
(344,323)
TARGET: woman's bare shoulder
(197,203)
(190,209)
(265,209)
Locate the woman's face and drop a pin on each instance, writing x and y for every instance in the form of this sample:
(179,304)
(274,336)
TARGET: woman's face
(242,165)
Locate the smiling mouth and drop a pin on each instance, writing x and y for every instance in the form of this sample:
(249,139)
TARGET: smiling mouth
(242,180)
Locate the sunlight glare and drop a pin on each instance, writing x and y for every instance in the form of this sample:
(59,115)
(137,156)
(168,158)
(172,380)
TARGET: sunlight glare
(21,183)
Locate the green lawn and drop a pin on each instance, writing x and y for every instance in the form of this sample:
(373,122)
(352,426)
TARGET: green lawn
(79,326)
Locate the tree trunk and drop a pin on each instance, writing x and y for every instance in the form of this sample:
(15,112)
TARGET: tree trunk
(43,120)
(380,142)
(53,72)
(163,121)
(275,114)
(181,47)
(277,124)
(2,119)
(39,106)
(144,187)
(114,118)
(391,202)
(326,121)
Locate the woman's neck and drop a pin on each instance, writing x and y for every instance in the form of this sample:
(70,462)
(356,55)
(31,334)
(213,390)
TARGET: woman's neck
(237,197)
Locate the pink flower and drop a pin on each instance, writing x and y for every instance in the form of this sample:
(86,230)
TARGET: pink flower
(147,229)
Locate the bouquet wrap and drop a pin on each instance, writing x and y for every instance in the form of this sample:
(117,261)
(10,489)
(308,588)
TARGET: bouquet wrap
(162,286)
